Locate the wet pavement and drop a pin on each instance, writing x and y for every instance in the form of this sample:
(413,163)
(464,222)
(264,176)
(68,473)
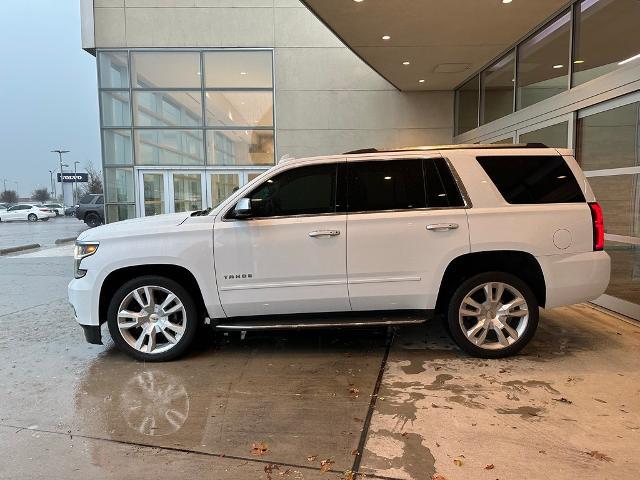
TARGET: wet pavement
(13,234)
(567,408)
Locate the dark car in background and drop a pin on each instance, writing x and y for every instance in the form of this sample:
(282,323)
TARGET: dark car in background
(90,209)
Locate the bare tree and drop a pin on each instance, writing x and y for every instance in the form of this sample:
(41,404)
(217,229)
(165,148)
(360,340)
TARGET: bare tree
(40,195)
(8,196)
(94,185)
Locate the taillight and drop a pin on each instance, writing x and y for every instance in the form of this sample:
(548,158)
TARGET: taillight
(598,226)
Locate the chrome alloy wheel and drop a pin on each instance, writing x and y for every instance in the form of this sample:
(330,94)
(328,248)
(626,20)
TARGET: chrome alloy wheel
(493,315)
(151,319)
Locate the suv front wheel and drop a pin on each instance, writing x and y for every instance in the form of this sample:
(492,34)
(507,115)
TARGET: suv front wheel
(493,315)
(152,318)
(92,220)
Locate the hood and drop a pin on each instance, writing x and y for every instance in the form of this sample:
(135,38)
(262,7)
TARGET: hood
(134,226)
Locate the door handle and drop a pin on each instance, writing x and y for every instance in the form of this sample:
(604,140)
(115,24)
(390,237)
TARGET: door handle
(324,233)
(442,227)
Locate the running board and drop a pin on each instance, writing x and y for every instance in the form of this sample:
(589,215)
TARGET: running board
(287,323)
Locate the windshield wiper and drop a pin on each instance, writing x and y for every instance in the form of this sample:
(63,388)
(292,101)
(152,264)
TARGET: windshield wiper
(201,213)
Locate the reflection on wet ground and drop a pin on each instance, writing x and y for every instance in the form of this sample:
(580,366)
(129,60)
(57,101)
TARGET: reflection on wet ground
(566,408)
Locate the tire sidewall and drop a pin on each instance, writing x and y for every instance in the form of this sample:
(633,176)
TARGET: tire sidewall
(187,301)
(32,217)
(465,287)
(92,220)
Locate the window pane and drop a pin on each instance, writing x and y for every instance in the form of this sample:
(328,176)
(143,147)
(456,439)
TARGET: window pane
(606,34)
(169,147)
(467,106)
(118,185)
(442,190)
(238,69)
(246,109)
(532,179)
(167,109)
(299,191)
(153,193)
(552,136)
(165,69)
(386,185)
(497,89)
(240,147)
(222,186)
(117,147)
(187,191)
(115,213)
(625,271)
(619,196)
(543,63)
(116,110)
(609,139)
(114,71)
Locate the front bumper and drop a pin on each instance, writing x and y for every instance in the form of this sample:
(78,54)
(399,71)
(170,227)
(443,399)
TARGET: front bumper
(84,300)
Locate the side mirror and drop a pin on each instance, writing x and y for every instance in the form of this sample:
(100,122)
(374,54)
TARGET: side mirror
(242,208)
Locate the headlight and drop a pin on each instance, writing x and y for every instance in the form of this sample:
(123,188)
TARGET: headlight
(82,250)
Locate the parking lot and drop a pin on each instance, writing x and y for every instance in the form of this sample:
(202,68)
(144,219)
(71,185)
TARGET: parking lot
(13,234)
(389,404)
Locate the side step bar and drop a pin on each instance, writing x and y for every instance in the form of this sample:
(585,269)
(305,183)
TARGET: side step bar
(299,322)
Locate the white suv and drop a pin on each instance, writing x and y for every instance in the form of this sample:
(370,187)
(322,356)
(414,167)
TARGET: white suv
(482,235)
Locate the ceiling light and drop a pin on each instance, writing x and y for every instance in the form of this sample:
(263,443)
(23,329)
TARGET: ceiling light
(558,66)
(386,37)
(506,1)
(243,73)
(421,80)
(387,178)
(406,63)
(578,61)
(631,59)
(198,73)
(358,1)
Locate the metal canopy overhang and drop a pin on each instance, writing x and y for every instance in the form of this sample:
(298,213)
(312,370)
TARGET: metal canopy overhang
(444,41)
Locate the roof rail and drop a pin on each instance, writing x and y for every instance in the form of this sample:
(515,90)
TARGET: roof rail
(469,146)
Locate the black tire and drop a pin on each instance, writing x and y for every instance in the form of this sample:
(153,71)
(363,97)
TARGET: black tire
(32,217)
(57,213)
(192,318)
(45,219)
(456,330)
(92,220)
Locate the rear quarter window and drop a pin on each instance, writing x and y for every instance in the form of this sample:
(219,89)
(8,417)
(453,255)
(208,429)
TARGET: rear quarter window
(532,179)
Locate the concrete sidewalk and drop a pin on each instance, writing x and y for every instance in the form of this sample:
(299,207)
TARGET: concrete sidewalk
(567,408)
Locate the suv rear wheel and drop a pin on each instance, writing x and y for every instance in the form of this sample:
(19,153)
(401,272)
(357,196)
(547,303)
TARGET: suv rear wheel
(152,318)
(493,315)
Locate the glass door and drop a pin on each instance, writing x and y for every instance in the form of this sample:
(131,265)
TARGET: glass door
(186,191)
(153,188)
(222,185)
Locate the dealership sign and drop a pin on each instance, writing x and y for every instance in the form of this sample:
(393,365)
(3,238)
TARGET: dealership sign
(74,177)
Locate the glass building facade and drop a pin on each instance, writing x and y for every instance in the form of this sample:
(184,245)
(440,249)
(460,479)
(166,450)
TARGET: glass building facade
(576,63)
(181,129)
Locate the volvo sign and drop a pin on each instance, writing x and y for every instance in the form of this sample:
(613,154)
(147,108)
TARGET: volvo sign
(74,177)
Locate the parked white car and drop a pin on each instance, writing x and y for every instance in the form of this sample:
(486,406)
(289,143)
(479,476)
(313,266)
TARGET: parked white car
(56,208)
(480,235)
(24,211)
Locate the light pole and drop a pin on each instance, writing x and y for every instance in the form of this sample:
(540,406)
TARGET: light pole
(75,181)
(17,190)
(51,185)
(60,152)
(4,181)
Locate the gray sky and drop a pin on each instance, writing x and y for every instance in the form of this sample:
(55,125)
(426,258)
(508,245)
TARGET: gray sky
(48,92)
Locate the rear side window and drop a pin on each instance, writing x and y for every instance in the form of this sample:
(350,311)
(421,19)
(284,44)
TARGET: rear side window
(442,190)
(385,185)
(531,179)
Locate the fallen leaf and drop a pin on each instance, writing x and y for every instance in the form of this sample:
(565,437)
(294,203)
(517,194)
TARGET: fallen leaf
(312,458)
(490,466)
(259,448)
(348,475)
(599,400)
(269,468)
(325,465)
(599,456)
(437,476)
(354,392)
(562,400)
(404,434)
(433,405)
(358,419)
(355,452)
(457,462)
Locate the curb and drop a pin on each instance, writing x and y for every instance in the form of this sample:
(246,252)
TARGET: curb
(65,240)
(30,246)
